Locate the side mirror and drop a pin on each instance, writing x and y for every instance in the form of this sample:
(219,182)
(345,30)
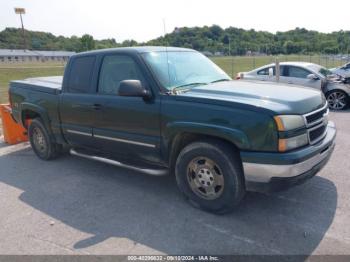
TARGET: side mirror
(132,88)
(270,71)
(312,77)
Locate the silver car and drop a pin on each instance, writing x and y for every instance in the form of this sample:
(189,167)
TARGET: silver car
(343,71)
(335,88)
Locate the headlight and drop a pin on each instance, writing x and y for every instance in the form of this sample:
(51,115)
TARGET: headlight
(289,122)
(287,144)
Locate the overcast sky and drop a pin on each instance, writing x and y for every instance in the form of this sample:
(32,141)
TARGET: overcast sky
(143,20)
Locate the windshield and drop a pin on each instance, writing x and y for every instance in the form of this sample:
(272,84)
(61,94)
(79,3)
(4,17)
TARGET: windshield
(321,70)
(179,69)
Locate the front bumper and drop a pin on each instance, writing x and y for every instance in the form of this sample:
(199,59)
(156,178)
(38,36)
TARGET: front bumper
(266,172)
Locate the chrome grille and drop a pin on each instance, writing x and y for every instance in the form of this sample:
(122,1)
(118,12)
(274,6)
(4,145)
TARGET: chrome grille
(316,123)
(317,133)
(315,117)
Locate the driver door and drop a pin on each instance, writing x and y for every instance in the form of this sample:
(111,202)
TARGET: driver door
(128,126)
(298,76)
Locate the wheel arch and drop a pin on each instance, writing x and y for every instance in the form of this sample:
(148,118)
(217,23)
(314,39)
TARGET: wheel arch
(186,134)
(31,111)
(337,87)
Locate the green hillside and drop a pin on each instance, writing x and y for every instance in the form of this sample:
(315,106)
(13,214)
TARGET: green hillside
(208,38)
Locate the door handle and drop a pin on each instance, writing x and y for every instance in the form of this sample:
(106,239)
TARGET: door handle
(97,106)
(290,82)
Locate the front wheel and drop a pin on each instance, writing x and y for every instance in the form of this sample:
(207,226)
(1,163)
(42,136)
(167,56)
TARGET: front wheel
(337,99)
(210,175)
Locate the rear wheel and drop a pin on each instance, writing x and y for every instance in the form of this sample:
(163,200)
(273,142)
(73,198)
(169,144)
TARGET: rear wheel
(337,99)
(40,141)
(210,175)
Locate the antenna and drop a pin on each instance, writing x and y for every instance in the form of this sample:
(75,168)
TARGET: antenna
(166,51)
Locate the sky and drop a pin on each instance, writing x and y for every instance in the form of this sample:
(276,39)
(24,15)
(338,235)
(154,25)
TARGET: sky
(143,20)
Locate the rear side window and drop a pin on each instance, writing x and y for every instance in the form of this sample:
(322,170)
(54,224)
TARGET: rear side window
(80,74)
(265,71)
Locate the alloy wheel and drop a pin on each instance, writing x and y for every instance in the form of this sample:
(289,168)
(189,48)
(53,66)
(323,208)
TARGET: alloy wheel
(337,100)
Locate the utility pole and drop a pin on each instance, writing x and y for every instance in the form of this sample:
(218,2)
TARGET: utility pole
(230,56)
(277,69)
(19,11)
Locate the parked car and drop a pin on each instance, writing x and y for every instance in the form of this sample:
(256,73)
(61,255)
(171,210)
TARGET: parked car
(335,88)
(343,71)
(171,110)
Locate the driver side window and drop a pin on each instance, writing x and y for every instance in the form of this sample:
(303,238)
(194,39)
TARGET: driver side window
(114,69)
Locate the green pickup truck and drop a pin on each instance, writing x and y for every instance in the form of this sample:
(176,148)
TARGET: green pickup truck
(162,110)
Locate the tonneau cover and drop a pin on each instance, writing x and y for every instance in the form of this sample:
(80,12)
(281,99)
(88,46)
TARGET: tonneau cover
(50,84)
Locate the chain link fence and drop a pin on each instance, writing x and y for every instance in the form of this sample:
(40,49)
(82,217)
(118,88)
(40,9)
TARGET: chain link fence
(235,64)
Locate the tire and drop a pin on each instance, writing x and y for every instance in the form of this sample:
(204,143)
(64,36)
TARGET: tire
(337,100)
(40,141)
(216,166)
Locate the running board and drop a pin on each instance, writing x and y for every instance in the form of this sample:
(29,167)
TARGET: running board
(148,171)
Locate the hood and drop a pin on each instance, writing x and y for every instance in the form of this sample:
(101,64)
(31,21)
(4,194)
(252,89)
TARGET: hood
(279,98)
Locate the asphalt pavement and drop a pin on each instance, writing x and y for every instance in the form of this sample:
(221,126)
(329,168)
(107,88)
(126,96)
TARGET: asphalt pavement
(77,206)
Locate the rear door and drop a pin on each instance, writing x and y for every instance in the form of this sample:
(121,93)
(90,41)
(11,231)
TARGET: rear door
(77,102)
(125,125)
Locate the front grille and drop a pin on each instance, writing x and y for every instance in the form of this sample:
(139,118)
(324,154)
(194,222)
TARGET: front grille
(317,133)
(316,123)
(315,117)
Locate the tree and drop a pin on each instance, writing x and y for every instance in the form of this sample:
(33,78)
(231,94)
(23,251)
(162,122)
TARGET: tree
(226,39)
(129,43)
(216,31)
(206,38)
(87,43)
(291,47)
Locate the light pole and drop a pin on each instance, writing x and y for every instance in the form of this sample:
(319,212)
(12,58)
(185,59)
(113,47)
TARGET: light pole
(19,11)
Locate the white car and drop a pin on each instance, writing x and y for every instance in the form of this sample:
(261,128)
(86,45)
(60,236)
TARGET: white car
(343,71)
(306,74)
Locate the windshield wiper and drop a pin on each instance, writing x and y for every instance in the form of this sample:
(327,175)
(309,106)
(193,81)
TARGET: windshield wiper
(221,80)
(175,89)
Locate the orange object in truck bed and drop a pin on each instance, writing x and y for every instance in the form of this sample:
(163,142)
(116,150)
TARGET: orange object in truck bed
(13,132)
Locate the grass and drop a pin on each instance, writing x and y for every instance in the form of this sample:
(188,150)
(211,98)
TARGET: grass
(9,72)
(231,65)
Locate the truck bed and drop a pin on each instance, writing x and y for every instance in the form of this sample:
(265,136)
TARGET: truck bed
(50,84)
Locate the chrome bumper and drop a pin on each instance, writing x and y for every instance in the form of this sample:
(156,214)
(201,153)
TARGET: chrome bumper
(263,173)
